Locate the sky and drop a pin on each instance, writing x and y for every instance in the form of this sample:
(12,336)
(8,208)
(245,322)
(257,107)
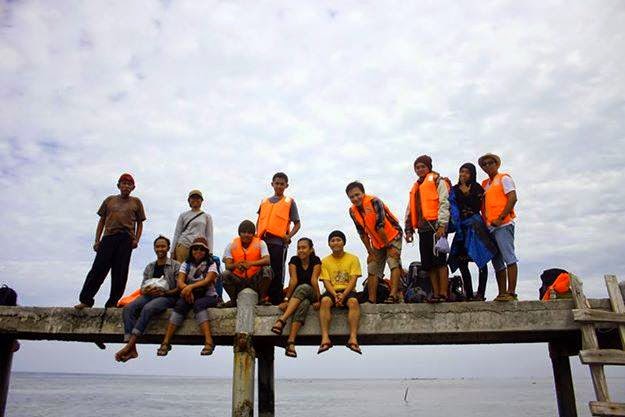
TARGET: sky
(220,95)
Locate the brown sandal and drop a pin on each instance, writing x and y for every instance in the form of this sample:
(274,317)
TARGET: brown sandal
(164,349)
(278,329)
(290,350)
(207,350)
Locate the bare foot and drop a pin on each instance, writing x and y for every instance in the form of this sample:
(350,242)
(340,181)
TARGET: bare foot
(132,354)
(81,306)
(119,356)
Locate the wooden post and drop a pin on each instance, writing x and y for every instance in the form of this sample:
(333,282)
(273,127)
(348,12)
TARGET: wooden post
(244,355)
(6,357)
(565,391)
(266,407)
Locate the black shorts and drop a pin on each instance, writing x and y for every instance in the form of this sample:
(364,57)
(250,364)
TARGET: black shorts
(352,294)
(430,261)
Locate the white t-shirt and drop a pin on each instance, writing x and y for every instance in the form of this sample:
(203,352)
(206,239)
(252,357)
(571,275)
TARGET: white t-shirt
(508,186)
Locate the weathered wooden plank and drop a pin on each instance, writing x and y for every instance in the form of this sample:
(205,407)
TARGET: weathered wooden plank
(616,300)
(565,391)
(244,356)
(6,358)
(589,341)
(266,386)
(598,316)
(602,356)
(447,323)
(603,408)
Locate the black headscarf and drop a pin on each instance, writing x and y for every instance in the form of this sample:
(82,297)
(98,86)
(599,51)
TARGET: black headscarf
(472,170)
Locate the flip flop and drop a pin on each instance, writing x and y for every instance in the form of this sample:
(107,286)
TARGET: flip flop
(324,347)
(354,348)
(290,350)
(207,350)
(164,349)
(278,329)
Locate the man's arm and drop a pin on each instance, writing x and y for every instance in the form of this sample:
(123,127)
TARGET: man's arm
(98,233)
(443,208)
(209,232)
(177,232)
(296,227)
(135,241)
(512,199)
(261,262)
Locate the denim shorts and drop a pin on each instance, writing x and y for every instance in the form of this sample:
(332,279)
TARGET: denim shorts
(504,236)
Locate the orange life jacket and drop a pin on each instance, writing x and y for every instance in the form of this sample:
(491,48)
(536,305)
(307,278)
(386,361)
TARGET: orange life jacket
(274,218)
(495,200)
(124,301)
(561,285)
(428,198)
(368,222)
(251,253)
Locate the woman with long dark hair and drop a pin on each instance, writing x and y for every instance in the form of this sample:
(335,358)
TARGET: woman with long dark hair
(303,290)
(196,281)
(466,200)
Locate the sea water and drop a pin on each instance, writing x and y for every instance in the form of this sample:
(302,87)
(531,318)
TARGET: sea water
(50,395)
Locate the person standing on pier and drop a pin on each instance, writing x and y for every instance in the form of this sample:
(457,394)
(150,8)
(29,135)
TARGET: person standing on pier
(381,234)
(303,290)
(159,291)
(275,215)
(247,265)
(428,214)
(339,272)
(196,282)
(117,234)
(499,201)
(191,224)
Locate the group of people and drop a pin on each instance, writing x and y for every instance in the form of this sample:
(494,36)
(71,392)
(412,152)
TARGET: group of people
(187,276)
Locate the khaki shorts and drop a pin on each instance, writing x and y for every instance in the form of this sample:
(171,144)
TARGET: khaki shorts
(376,266)
(181,253)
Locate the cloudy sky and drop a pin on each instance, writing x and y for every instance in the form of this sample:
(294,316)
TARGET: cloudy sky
(220,95)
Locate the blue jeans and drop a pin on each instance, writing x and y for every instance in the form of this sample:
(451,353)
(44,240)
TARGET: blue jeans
(138,314)
(504,236)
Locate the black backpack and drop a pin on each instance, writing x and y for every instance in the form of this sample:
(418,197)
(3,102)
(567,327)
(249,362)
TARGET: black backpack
(383,292)
(8,296)
(548,277)
(416,284)
(456,289)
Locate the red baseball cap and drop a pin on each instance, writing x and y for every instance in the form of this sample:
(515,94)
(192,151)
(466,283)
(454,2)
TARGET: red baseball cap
(126,177)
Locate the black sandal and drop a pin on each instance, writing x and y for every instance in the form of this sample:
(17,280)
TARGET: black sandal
(278,329)
(290,350)
(207,350)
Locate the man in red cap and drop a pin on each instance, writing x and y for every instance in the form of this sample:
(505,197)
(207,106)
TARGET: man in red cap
(121,220)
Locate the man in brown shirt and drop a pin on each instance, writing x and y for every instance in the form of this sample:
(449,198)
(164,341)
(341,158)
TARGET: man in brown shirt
(121,220)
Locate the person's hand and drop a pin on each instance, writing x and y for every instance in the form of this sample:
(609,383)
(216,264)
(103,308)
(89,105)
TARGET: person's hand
(96,245)
(409,237)
(286,239)
(316,305)
(135,243)
(497,222)
(282,306)
(440,232)
(244,265)
(187,294)
(155,292)
(339,300)
(393,252)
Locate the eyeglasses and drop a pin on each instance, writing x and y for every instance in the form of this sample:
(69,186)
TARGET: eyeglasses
(488,162)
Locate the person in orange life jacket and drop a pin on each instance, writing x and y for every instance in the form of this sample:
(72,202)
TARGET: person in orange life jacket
(275,215)
(381,234)
(428,213)
(339,273)
(121,220)
(247,265)
(499,201)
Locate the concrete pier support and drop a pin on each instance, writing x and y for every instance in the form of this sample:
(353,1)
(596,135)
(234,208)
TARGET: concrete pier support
(6,358)
(244,355)
(565,391)
(266,391)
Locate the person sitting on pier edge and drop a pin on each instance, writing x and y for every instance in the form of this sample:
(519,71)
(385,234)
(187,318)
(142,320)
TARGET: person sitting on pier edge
(381,234)
(191,224)
(121,220)
(472,241)
(196,281)
(275,215)
(428,213)
(339,272)
(303,290)
(499,200)
(247,265)
(159,291)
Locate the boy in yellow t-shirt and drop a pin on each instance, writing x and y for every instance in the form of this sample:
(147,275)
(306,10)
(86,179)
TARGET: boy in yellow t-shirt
(339,273)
